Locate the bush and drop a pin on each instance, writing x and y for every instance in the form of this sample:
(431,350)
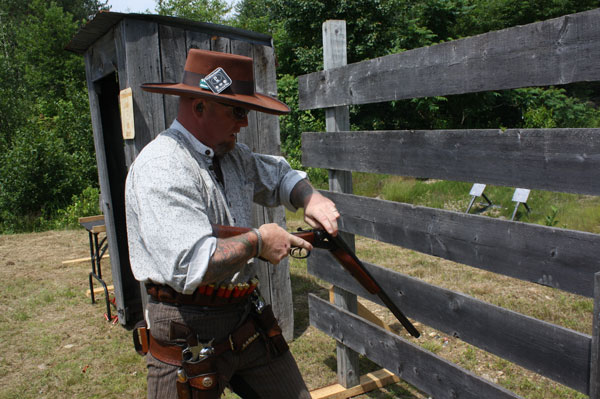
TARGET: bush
(85,204)
(294,124)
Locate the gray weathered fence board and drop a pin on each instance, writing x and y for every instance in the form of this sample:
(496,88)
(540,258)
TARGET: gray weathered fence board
(337,119)
(560,258)
(553,351)
(421,368)
(595,347)
(557,51)
(565,160)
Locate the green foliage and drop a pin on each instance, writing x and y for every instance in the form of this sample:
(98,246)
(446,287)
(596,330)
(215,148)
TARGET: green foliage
(46,142)
(198,10)
(293,124)
(551,218)
(84,204)
(489,15)
(552,107)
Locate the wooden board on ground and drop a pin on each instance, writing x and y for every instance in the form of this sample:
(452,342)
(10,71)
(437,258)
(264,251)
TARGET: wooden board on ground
(100,290)
(79,260)
(368,382)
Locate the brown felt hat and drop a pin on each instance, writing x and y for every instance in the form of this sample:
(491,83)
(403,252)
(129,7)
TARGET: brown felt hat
(222,77)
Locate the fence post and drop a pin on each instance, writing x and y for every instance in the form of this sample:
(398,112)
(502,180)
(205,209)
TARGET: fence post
(338,119)
(595,355)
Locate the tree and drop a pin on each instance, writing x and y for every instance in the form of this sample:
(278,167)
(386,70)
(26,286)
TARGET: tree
(213,11)
(46,140)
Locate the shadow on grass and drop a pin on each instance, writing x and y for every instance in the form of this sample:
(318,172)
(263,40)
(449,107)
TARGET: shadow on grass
(301,287)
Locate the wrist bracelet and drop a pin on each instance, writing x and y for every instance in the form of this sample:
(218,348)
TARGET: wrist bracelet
(259,242)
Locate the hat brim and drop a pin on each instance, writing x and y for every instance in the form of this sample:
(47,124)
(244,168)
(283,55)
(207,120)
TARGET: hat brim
(256,102)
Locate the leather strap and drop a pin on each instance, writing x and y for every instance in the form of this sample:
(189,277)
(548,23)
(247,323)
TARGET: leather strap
(237,341)
(201,296)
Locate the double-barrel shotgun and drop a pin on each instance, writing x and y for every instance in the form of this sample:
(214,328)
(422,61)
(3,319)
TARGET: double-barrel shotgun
(319,238)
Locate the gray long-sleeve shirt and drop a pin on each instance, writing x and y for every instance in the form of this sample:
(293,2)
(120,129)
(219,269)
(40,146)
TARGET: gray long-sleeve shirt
(172,198)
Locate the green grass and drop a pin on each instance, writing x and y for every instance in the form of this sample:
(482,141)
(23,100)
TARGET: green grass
(570,211)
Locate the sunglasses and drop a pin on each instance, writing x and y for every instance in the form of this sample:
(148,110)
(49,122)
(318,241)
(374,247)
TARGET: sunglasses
(239,113)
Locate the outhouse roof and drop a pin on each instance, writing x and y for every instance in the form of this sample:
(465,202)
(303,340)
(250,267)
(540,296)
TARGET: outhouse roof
(105,20)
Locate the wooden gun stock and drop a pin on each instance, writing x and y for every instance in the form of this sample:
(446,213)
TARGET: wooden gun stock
(344,255)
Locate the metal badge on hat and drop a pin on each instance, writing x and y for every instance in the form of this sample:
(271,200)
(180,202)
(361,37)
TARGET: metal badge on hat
(216,81)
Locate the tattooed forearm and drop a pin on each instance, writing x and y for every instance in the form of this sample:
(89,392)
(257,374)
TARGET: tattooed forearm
(230,256)
(301,193)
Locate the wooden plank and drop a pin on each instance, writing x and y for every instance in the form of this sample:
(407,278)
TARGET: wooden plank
(419,367)
(262,136)
(550,350)
(564,160)
(197,40)
(173,53)
(368,383)
(86,219)
(558,51)
(334,55)
(137,46)
(559,258)
(103,57)
(221,44)
(595,350)
(100,290)
(142,64)
(80,260)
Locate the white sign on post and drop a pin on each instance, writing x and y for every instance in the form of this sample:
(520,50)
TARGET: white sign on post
(477,189)
(521,195)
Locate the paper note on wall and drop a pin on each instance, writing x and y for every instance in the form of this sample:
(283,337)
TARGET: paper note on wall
(126,102)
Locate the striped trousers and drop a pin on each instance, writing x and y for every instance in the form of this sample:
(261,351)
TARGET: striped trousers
(268,376)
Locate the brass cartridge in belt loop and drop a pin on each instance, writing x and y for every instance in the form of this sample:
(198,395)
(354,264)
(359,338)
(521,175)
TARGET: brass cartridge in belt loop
(236,291)
(244,289)
(221,291)
(253,284)
(229,290)
(202,289)
(209,290)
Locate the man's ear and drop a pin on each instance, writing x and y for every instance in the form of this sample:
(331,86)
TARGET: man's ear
(198,106)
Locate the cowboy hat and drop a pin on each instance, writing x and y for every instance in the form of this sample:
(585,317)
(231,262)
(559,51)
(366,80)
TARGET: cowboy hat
(222,77)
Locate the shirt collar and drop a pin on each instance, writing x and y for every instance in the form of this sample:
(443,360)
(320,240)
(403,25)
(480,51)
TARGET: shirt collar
(196,144)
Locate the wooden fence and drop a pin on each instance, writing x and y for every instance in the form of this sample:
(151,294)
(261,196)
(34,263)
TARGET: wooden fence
(558,51)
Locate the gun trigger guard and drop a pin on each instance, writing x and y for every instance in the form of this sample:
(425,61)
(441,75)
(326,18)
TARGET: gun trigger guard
(296,252)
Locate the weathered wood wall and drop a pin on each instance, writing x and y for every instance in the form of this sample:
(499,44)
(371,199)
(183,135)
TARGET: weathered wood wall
(563,50)
(135,49)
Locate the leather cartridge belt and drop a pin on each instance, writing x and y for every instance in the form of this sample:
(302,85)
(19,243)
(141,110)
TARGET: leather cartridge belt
(171,354)
(205,295)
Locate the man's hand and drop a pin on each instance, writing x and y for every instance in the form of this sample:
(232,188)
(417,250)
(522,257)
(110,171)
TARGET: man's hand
(277,243)
(319,211)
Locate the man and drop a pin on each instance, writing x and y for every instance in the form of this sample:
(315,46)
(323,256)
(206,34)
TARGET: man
(208,328)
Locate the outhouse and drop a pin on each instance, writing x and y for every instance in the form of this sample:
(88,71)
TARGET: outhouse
(123,51)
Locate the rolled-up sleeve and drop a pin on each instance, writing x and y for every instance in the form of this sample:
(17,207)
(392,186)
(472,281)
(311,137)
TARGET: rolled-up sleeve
(273,178)
(170,236)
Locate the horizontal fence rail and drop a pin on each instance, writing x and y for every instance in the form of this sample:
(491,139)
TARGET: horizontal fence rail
(558,51)
(560,258)
(565,160)
(550,350)
(421,368)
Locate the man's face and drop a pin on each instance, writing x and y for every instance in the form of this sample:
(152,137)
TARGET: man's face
(219,125)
